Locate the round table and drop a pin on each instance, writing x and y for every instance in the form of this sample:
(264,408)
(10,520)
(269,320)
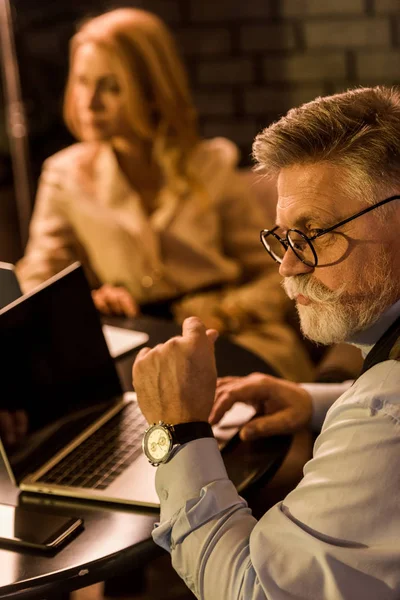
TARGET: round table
(116,538)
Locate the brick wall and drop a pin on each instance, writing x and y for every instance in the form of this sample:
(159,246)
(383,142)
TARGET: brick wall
(249,60)
(252,60)
(284,53)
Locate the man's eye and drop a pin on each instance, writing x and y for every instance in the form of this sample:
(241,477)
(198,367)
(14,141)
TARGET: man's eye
(299,245)
(315,232)
(327,239)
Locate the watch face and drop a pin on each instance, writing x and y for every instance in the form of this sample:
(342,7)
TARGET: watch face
(157,444)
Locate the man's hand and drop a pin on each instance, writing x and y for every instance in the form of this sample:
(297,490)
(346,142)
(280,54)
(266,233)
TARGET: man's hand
(111,300)
(175,381)
(13,426)
(285,406)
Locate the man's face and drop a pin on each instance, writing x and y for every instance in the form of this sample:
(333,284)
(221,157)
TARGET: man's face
(354,281)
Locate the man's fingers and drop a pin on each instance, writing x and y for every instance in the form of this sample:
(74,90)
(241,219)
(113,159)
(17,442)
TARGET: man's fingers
(193,327)
(225,387)
(212,335)
(250,389)
(277,424)
(224,380)
(142,353)
(229,390)
(220,407)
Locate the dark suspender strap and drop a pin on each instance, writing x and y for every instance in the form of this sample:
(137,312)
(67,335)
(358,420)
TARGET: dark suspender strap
(380,352)
(186,432)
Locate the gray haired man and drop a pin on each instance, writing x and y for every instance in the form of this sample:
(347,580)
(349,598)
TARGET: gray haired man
(337,535)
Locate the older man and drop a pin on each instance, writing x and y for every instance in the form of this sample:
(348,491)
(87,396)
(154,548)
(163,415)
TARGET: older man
(337,535)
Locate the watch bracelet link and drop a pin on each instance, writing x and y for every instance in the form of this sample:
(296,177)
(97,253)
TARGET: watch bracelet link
(187,432)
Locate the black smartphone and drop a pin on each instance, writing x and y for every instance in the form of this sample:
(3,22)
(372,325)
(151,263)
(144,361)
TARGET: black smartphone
(25,528)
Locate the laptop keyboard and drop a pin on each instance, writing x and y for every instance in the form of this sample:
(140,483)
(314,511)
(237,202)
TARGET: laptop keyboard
(104,455)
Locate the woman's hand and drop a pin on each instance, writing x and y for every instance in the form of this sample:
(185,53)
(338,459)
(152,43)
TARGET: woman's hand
(285,407)
(112,300)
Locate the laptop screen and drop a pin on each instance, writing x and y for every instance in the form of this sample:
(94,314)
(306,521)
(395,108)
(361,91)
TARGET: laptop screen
(53,355)
(9,286)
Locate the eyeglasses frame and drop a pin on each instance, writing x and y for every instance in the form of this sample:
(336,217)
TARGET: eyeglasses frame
(264,233)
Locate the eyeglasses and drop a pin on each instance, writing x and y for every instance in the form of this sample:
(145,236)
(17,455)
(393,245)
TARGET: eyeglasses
(301,244)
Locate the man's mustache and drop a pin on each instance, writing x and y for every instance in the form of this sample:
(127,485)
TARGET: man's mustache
(311,288)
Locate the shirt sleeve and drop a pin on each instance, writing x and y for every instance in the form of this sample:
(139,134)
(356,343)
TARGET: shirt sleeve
(323,395)
(336,536)
(51,241)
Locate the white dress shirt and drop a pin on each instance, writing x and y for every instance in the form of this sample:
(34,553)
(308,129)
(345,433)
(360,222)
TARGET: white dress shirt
(336,536)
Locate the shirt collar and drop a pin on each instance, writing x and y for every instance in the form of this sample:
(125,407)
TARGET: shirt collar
(367,338)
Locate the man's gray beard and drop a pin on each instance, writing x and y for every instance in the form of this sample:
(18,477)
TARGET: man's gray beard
(335,316)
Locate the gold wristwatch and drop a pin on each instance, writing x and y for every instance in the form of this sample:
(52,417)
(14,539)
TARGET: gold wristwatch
(161,439)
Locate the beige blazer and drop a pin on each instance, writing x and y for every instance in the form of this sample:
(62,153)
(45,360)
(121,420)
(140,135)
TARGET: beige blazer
(86,210)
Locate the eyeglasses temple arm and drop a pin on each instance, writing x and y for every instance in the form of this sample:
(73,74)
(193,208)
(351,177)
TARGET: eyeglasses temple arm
(366,210)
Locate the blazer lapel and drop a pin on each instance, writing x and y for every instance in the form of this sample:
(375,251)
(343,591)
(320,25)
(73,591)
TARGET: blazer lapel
(122,201)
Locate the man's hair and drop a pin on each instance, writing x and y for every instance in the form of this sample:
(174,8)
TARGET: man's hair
(358,131)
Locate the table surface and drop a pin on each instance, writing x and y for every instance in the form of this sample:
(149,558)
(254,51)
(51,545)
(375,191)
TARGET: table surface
(115,537)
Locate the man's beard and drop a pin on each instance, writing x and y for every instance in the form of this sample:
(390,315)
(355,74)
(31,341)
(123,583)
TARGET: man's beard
(335,316)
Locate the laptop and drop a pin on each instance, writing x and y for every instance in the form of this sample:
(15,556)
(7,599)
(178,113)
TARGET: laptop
(84,434)
(119,341)
(9,286)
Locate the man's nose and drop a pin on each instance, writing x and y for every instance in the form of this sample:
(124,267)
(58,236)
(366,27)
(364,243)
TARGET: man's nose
(291,265)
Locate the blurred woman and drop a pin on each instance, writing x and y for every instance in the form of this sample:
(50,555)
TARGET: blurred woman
(160,219)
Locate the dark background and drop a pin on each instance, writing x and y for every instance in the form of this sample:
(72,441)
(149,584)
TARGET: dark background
(249,61)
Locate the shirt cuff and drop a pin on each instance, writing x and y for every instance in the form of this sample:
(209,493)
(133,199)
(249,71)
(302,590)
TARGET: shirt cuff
(323,395)
(192,467)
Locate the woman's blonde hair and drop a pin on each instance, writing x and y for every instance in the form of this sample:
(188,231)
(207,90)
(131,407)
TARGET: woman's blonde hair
(166,116)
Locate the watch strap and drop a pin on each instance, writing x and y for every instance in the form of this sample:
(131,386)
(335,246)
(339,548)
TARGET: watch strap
(187,432)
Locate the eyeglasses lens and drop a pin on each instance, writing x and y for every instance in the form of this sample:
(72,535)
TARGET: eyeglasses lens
(274,247)
(301,247)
